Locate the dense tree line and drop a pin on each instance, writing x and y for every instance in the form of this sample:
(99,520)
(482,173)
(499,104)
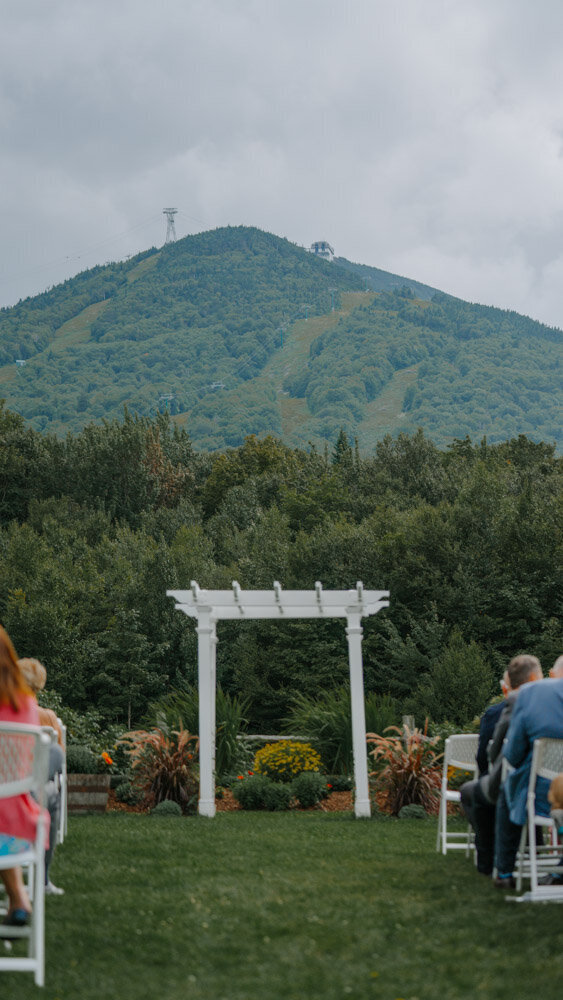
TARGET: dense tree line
(94,528)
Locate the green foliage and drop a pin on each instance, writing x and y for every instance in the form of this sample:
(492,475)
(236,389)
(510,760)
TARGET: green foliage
(81,760)
(285,759)
(468,541)
(196,321)
(127,794)
(339,782)
(406,771)
(326,720)
(181,708)
(194,331)
(460,682)
(164,766)
(309,787)
(167,807)
(412,811)
(258,791)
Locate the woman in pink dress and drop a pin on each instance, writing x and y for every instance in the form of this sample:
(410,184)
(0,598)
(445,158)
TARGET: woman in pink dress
(19,814)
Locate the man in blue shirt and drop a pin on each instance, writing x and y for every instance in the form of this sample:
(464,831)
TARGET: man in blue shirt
(538,713)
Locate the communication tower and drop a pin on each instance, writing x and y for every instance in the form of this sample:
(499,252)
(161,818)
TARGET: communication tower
(170,227)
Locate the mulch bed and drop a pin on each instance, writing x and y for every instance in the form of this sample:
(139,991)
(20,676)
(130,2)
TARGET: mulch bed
(336,802)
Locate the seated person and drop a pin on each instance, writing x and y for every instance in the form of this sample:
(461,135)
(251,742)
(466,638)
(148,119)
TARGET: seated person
(20,813)
(35,676)
(538,713)
(478,797)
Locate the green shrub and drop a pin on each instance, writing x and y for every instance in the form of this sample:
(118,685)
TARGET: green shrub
(86,727)
(413,811)
(180,709)
(277,797)
(80,760)
(260,792)
(127,794)
(339,782)
(167,808)
(407,770)
(164,766)
(326,720)
(309,787)
(285,759)
(118,779)
(459,684)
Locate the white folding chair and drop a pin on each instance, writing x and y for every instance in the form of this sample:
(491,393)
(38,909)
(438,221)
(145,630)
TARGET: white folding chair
(547,762)
(24,768)
(460,752)
(63,825)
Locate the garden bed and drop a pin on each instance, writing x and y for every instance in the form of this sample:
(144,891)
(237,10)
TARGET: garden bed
(336,802)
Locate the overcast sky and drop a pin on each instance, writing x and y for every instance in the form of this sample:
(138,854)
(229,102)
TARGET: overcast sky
(424,137)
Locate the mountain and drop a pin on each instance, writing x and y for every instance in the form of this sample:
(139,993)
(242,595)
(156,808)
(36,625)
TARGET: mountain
(236,331)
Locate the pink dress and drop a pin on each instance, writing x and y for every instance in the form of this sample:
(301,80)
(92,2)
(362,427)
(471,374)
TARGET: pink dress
(19,814)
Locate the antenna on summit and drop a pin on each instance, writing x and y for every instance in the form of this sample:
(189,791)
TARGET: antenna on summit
(170,226)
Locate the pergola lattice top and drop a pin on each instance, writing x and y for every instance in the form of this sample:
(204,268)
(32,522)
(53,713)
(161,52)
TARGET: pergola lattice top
(279,603)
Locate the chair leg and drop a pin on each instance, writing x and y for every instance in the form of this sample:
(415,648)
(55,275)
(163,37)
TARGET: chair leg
(521,855)
(444,826)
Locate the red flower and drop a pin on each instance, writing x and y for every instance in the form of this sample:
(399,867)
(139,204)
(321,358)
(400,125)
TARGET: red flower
(328,786)
(251,773)
(240,777)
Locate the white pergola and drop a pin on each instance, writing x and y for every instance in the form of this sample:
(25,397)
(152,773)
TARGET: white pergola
(211,606)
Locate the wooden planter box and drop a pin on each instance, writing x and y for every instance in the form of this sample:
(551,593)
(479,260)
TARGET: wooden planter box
(87,792)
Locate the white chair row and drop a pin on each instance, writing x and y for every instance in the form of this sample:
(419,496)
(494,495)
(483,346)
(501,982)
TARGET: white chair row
(533,860)
(24,768)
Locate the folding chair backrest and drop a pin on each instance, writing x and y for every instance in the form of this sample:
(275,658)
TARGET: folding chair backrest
(547,758)
(461,751)
(23,762)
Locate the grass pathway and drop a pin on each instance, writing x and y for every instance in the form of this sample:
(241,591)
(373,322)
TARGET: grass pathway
(295,906)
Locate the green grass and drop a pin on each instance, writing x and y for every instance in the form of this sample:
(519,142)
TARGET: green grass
(299,906)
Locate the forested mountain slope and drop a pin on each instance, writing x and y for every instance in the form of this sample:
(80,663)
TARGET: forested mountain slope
(236,331)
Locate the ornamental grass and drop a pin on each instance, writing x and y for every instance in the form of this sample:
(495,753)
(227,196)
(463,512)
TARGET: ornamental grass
(164,766)
(407,770)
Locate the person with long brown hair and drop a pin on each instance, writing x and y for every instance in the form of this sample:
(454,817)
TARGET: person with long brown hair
(19,814)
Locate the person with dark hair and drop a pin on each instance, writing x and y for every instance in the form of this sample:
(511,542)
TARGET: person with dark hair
(538,713)
(479,797)
(20,813)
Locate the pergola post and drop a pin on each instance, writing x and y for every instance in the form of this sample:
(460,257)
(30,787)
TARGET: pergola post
(354,633)
(206,642)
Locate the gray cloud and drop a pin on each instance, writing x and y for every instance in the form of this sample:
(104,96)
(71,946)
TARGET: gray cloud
(422,138)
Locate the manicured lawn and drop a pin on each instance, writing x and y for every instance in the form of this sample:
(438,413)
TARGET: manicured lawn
(299,906)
